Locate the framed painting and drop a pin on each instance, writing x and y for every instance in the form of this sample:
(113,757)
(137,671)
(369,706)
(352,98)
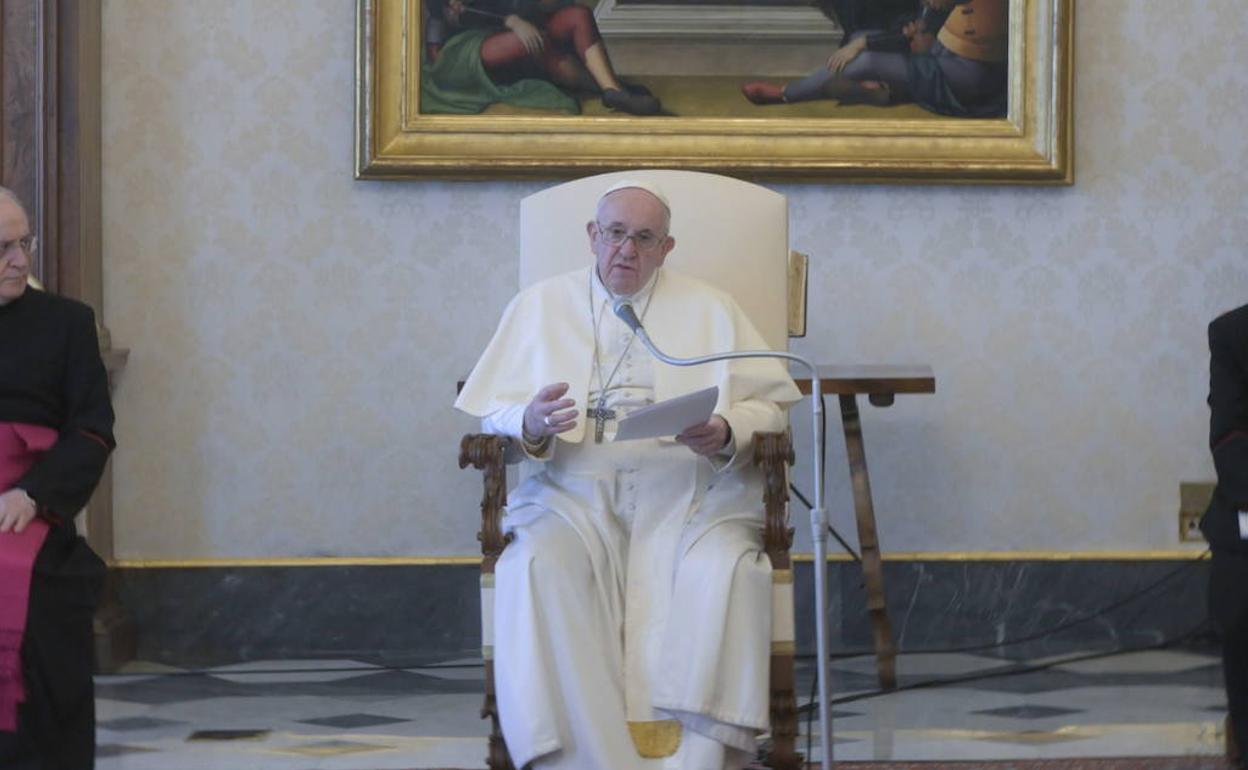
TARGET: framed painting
(926,91)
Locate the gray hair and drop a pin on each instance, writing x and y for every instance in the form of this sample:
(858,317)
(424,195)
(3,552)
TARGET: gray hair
(8,195)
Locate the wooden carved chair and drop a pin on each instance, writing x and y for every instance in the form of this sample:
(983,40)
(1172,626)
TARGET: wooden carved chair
(734,235)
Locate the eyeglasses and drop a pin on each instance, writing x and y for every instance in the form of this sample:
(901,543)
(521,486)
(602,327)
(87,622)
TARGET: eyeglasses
(616,236)
(27,244)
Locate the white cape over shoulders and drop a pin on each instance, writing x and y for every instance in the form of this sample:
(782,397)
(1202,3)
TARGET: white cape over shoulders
(546,336)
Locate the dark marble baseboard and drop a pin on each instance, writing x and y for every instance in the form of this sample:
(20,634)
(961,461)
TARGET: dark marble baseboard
(416,613)
(1033,608)
(209,615)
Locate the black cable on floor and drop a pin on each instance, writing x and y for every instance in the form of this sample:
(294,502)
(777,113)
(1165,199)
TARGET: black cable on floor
(809,709)
(1016,668)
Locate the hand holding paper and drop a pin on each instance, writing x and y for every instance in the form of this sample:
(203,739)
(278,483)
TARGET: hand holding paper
(708,438)
(671,417)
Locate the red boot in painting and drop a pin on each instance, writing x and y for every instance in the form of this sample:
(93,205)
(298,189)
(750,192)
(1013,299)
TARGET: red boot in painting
(763,92)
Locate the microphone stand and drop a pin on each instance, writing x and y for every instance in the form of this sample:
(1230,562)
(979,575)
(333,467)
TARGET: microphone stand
(818,514)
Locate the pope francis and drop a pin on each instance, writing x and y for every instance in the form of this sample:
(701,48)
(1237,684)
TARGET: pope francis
(632,607)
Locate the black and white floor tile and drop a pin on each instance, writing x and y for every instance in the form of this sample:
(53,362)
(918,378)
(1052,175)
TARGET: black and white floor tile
(361,715)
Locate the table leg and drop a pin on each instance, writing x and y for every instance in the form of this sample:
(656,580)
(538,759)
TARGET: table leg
(872,564)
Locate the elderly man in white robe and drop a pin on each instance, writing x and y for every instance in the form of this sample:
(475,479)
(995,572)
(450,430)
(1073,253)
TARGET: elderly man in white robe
(632,608)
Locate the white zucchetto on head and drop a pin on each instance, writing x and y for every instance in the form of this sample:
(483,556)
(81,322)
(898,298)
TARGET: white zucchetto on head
(649,187)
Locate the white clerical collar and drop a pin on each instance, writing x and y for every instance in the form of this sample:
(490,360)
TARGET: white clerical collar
(602,293)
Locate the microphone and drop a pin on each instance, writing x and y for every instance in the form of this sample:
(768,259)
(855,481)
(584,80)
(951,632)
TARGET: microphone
(623,310)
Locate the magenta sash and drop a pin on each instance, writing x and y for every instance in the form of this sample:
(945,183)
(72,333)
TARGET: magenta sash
(20,446)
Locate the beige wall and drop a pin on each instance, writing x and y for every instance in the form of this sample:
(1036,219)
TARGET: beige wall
(296,335)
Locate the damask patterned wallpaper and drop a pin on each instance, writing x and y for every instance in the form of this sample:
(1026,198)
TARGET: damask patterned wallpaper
(296,335)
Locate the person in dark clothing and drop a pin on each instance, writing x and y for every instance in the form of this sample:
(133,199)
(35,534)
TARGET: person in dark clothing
(948,56)
(858,15)
(56,432)
(1225,523)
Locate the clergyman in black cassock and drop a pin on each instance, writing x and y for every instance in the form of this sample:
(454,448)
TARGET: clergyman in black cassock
(52,383)
(1225,523)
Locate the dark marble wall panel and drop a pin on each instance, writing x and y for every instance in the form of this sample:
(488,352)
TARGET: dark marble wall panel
(204,616)
(1063,605)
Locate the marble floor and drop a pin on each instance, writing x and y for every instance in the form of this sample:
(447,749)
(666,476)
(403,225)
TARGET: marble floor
(367,715)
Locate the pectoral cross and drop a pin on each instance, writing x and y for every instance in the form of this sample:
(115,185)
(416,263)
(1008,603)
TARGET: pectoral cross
(600,415)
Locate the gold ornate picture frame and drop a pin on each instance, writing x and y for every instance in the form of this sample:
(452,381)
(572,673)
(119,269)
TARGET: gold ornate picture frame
(1032,144)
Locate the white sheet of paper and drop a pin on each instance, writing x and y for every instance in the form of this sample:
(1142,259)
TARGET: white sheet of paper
(667,418)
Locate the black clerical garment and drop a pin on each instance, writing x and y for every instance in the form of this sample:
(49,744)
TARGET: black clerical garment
(1228,428)
(1228,440)
(51,374)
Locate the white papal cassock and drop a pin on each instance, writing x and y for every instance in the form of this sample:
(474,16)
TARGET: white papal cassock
(632,609)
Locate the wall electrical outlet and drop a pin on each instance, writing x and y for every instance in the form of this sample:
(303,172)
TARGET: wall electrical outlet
(1189,527)
(1194,497)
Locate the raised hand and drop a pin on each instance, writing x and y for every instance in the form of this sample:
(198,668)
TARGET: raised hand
(549,412)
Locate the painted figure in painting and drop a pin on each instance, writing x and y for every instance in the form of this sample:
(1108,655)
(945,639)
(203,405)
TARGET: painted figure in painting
(527,53)
(947,56)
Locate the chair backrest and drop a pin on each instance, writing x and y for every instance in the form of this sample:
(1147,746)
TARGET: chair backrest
(732,234)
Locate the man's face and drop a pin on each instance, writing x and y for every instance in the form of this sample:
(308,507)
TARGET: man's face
(14,262)
(627,266)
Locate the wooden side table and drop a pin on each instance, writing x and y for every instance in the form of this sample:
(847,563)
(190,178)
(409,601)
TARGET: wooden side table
(880,383)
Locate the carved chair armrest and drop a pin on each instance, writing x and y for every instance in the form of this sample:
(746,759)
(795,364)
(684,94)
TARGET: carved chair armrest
(486,453)
(773,452)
